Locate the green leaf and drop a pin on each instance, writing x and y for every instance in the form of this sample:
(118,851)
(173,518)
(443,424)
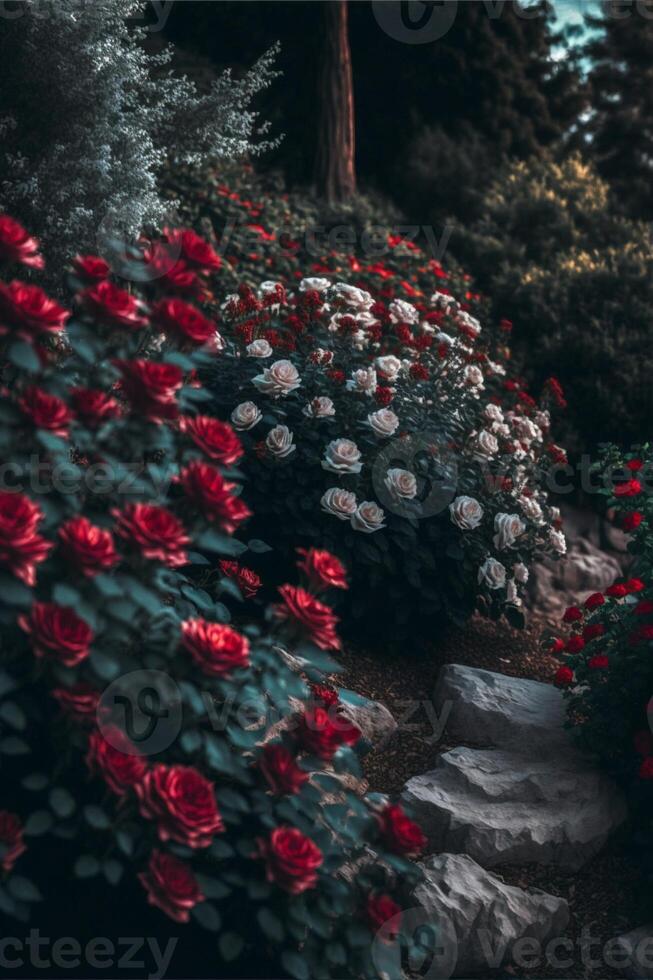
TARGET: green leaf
(12,745)
(295,964)
(96,817)
(24,357)
(62,802)
(207,916)
(271,926)
(221,543)
(38,823)
(258,547)
(65,595)
(86,866)
(13,715)
(230,945)
(113,871)
(35,781)
(23,889)
(14,593)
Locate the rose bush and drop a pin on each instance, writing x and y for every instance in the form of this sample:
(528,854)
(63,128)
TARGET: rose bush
(122,604)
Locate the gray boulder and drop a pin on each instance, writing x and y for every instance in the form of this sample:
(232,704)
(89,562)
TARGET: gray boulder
(501,807)
(480,922)
(493,709)
(375,721)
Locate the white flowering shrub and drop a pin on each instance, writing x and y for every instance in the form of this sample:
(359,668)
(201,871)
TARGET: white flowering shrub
(91,120)
(390,433)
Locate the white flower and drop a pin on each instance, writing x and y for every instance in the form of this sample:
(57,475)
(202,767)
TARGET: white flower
(401,484)
(492,573)
(354,297)
(364,380)
(389,366)
(443,301)
(493,413)
(493,368)
(501,429)
(368,517)
(319,408)
(512,595)
(558,541)
(526,430)
(543,420)
(278,380)
(466,512)
(520,572)
(314,283)
(268,287)
(279,441)
(486,444)
(259,348)
(245,416)
(470,322)
(322,356)
(403,312)
(508,527)
(384,422)
(473,376)
(341,503)
(531,509)
(216,344)
(342,456)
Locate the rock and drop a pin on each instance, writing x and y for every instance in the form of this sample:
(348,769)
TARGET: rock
(479,919)
(554,585)
(376,723)
(492,709)
(636,953)
(501,807)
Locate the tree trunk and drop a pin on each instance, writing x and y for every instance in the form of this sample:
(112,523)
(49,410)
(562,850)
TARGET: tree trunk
(335,175)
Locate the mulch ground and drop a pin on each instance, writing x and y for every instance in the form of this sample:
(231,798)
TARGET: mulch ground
(602,896)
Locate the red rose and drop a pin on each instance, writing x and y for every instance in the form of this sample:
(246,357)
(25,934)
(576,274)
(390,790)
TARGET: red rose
(46,411)
(21,548)
(120,769)
(11,839)
(617,591)
(641,635)
(630,522)
(29,311)
(322,569)
(644,607)
(247,580)
(635,585)
(557,645)
(172,275)
(643,743)
(57,632)
(634,465)
(88,547)
(16,245)
(217,439)
(564,677)
(183,321)
(93,408)
(171,886)
(215,648)
(572,615)
(92,268)
(79,703)
(279,767)
(292,859)
(325,695)
(598,662)
(151,388)
(591,632)
(574,644)
(595,600)
(646,768)
(380,909)
(194,250)
(113,305)
(183,804)
(157,533)
(321,732)
(383,396)
(399,833)
(304,610)
(629,489)
(212,494)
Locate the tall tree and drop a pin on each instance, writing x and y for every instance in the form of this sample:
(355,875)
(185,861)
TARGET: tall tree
(621,124)
(335,174)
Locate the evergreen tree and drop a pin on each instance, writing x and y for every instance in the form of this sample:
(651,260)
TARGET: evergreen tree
(92,119)
(621,124)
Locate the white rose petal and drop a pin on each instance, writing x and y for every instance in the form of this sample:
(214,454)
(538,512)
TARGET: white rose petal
(341,503)
(319,408)
(388,366)
(401,484)
(384,422)
(492,573)
(531,509)
(493,413)
(342,456)
(368,517)
(279,442)
(314,284)
(486,444)
(520,572)
(466,512)
(508,528)
(245,416)
(358,299)
(259,348)
(558,541)
(403,312)
(279,379)
(363,380)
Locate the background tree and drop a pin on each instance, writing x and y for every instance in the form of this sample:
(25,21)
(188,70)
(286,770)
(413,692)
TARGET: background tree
(335,175)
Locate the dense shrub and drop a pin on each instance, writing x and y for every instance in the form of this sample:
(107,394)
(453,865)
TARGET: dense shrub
(575,278)
(119,566)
